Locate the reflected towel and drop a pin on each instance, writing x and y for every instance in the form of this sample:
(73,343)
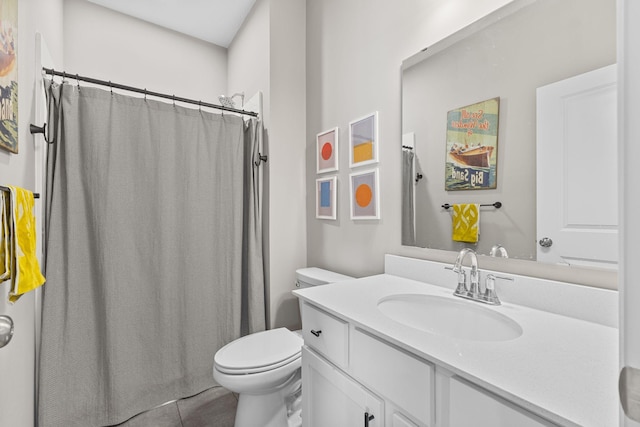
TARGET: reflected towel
(5,239)
(19,244)
(466,222)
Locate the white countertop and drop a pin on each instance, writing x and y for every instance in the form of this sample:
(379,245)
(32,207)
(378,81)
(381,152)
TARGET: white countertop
(561,368)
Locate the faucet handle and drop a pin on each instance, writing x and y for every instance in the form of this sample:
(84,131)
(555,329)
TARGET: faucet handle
(461,289)
(490,296)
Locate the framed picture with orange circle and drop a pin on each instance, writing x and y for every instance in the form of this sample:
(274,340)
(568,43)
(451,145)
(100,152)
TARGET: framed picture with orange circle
(365,196)
(327,151)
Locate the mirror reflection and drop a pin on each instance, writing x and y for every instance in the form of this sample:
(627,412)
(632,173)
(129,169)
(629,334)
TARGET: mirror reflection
(462,150)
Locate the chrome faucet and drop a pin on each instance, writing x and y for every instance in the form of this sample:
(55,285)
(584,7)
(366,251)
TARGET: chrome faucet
(498,250)
(472,291)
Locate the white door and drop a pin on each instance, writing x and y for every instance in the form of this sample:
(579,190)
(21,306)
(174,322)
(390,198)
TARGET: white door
(629,57)
(330,398)
(577,174)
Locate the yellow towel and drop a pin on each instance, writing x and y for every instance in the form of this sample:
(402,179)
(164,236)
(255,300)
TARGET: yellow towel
(466,223)
(5,240)
(19,244)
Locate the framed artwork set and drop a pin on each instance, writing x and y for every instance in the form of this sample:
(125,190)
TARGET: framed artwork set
(363,184)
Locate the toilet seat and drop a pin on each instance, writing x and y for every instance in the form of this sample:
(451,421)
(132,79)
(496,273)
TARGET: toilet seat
(259,352)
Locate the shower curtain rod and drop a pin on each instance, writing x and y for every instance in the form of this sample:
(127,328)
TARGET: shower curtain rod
(146,92)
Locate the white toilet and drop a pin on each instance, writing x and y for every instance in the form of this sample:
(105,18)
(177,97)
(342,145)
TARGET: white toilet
(264,368)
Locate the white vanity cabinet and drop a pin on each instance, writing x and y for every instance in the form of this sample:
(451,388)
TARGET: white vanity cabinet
(426,369)
(331,398)
(350,374)
(468,405)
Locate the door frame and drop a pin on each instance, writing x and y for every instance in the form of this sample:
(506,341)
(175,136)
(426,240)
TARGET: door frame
(628,149)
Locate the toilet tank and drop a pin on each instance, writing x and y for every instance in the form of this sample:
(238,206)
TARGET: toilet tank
(313,276)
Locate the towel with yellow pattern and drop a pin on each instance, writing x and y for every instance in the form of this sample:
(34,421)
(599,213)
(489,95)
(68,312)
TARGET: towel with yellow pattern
(466,222)
(18,243)
(5,239)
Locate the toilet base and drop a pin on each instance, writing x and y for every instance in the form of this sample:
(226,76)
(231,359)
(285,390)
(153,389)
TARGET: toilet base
(278,408)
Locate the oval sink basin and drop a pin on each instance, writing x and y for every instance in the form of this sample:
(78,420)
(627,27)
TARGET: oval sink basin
(450,317)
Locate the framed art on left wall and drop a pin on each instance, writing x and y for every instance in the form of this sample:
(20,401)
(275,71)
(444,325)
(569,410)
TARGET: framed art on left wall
(327,151)
(326,190)
(9,75)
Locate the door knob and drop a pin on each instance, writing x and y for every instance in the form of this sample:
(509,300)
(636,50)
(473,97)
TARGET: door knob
(628,383)
(6,330)
(545,242)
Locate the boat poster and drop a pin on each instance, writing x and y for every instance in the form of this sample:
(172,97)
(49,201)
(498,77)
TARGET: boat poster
(9,75)
(472,146)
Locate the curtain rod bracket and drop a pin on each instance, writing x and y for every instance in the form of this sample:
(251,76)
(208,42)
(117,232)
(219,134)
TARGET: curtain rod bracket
(40,129)
(261,158)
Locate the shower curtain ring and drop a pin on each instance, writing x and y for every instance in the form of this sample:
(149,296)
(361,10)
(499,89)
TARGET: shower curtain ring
(78,81)
(110,87)
(174,99)
(64,77)
(145,93)
(200,105)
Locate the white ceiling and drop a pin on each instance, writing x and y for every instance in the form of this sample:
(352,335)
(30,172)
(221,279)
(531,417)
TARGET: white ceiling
(215,21)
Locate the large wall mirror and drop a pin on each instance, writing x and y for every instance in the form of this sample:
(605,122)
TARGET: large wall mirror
(508,56)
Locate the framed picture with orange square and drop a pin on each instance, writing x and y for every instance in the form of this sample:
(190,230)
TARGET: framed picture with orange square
(327,151)
(363,141)
(365,195)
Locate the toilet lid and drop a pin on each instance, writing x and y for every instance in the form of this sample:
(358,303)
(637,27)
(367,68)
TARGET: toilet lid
(259,352)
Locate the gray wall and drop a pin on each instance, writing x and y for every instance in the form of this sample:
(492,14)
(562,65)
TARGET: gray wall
(354,53)
(17,360)
(268,54)
(108,45)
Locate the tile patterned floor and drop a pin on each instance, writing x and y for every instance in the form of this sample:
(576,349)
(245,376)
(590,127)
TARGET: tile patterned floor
(215,407)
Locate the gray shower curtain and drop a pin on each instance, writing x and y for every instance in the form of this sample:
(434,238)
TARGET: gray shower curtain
(154,253)
(408,209)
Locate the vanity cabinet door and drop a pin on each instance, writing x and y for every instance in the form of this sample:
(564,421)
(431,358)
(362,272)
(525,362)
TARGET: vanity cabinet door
(397,376)
(326,334)
(331,398)
(471,406)
(399,420)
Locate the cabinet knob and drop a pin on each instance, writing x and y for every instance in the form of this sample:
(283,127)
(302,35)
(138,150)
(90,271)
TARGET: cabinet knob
(367,418)
(316,333)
